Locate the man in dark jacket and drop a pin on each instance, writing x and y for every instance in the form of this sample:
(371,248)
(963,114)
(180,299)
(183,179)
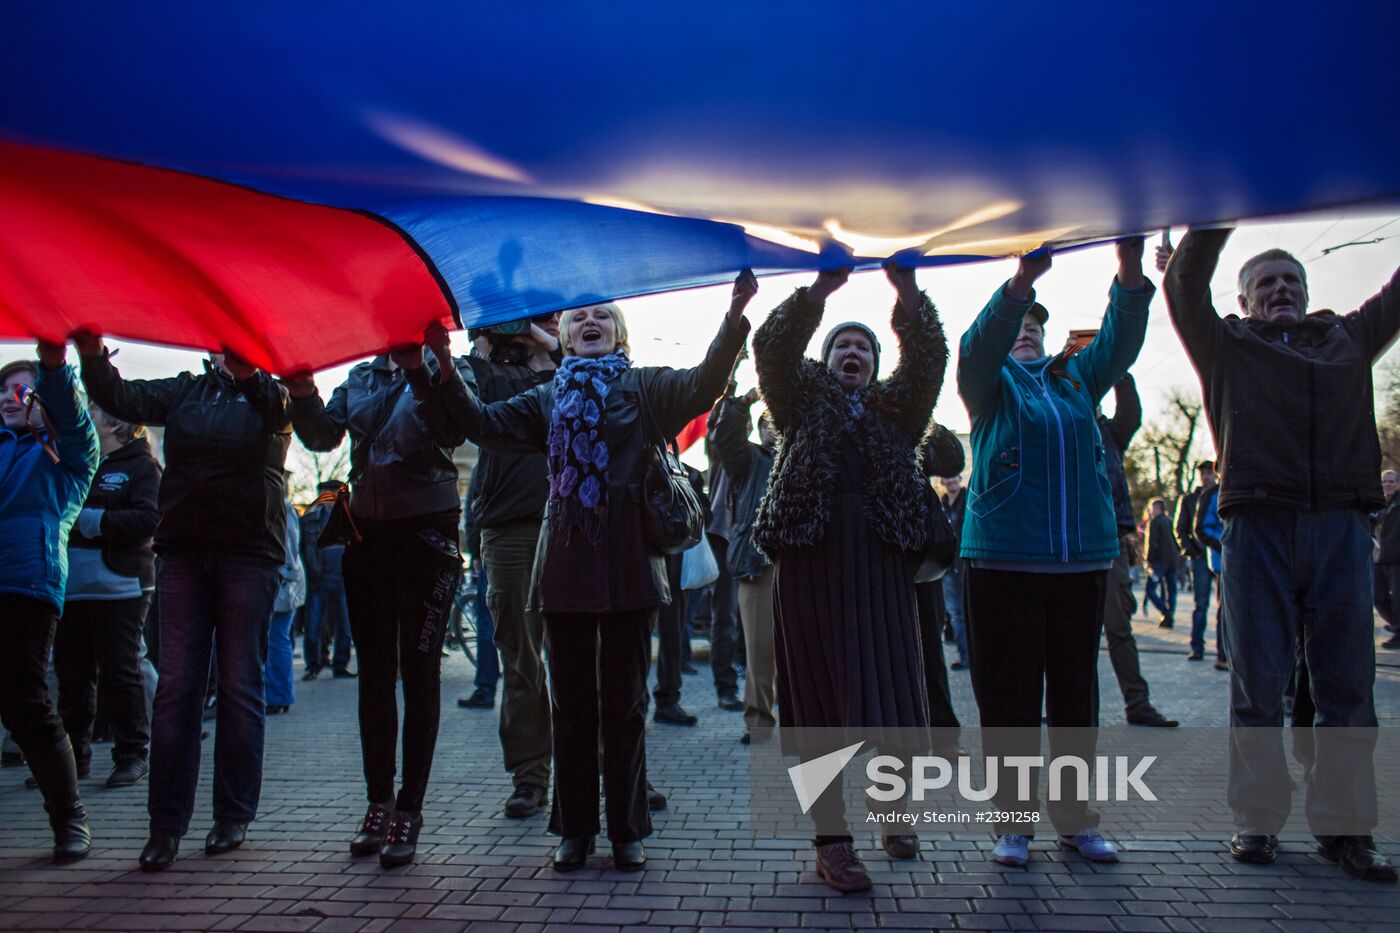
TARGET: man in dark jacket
(1288,395)
(747,465)
(509,490)
(1387,574)
(1119,602)
(326,616)
(1162,558)
(1195,552)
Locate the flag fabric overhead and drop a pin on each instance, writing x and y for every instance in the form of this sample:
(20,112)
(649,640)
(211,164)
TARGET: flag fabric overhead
(308,183)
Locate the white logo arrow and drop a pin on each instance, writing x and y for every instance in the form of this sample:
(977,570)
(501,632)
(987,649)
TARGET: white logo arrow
(811,778)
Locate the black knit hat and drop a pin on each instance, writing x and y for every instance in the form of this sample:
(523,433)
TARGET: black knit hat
(852,325)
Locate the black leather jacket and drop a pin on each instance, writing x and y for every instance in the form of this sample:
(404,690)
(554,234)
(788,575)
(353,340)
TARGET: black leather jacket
(400,453)
(225,447)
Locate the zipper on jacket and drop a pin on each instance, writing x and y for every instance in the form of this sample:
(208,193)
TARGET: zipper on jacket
(1064,492)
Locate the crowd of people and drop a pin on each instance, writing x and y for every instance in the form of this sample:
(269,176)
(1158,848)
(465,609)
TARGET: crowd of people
(819,524)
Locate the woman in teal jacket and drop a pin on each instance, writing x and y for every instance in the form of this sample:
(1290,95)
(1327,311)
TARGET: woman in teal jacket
(1040,534)
(48,454)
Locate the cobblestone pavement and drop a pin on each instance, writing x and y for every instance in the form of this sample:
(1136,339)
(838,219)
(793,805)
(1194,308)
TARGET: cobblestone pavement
(479,870)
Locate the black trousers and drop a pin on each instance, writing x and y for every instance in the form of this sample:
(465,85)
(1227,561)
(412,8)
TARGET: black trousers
(28,627)
(399,584)
(670,629)
(1034,637)
(97,657)
(598,674)
(724,622)
(932,615)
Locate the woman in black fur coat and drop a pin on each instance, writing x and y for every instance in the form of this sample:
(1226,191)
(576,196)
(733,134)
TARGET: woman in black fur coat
(844,520)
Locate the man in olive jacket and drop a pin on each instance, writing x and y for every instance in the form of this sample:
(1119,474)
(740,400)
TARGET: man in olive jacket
(1289,399)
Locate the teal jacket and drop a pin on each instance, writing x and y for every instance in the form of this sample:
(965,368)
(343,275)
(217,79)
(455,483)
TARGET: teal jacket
(39,499)
(1040,492)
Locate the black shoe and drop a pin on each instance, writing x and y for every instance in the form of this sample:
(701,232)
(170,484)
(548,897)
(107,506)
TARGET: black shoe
(1221,664)
(1196,656)
(128,772)
(688,668)
(731,702)
(958,665)
(526,801)
(1256,850)
(160,853)
(655,799)
(481,698)
(274,710)
(72,839)
(629,856)
(746,738)
(675,714)
(1391,643)
(311,673)
(572,854)
(1359,858)
(1166,623)
(401,840)
(1150,717)
(225,837)
(370,838)
(343,672)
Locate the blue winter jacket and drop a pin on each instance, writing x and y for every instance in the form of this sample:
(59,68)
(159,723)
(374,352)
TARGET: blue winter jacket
(39,499)
(1040,490)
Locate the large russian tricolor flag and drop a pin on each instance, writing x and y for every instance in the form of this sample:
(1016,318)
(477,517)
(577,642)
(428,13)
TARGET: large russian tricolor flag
(310,183)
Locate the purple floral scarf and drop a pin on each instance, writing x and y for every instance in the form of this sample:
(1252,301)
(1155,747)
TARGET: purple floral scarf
(578,453)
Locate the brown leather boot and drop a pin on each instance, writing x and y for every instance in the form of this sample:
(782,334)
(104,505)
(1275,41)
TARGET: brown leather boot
(901,846)
(841,868)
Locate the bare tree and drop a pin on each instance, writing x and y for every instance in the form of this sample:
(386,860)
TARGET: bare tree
(310,468)
(1387,395)
(1160,461)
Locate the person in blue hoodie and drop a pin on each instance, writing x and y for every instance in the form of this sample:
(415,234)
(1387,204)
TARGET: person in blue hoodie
(1039,532)
(48,455)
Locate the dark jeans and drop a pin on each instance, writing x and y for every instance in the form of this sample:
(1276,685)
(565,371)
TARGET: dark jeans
(724,622)
(1034,637)
(508,551)
(24,664)
(400,582)
(1283,571)
(210,598)
(932,613)
(1201,582)
(97,657)
(1118,607)
(1161,588)
(670,630)
(954,585)
(326,613)
(598,669)
(488,663)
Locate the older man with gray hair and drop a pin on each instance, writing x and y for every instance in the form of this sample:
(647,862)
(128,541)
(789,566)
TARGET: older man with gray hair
(1289,399)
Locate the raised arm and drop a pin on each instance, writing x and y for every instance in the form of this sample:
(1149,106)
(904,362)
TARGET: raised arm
(985,345)
(266,396)
(75,439)
(678,396)
(1127,413)
(731,436)
(912,389)
(140,401)
(780,342)
(318,425)
(1187,286)
(1380,317)
(1120,337)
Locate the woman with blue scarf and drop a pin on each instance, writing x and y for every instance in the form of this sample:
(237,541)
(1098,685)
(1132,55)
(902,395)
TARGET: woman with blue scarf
(595,581)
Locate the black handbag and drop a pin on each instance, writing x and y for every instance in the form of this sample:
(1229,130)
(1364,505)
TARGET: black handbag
(340,526)
(941,543)
(672,518)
